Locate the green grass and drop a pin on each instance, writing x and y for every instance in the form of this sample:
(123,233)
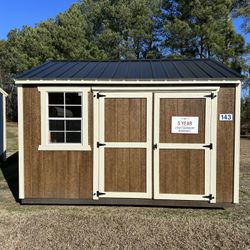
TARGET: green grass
(12,138)
(100,227)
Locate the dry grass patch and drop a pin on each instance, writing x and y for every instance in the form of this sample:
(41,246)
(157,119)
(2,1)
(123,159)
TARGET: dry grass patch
(100,227)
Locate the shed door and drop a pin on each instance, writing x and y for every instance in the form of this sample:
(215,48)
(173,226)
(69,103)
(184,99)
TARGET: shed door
(125,145)
(183,146)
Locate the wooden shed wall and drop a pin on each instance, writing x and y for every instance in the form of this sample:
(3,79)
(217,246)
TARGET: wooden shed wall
(225,145)
(53,174)
(69,174)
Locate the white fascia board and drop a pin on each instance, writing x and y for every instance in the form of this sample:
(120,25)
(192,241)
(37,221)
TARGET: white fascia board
(128,82)
(3,92)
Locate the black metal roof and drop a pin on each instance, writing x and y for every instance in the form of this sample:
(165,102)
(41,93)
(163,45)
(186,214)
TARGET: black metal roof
(130,70)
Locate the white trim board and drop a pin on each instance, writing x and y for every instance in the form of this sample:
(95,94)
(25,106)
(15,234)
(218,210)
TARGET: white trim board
(156,89)
(20,142)
(3,92)
(237,145)
(4,128)
(127,82)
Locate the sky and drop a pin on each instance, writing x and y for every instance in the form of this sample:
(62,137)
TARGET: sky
(16,13)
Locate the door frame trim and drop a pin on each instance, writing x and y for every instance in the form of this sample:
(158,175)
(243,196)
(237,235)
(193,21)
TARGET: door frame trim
(210,137)
(98,170)
(152,90)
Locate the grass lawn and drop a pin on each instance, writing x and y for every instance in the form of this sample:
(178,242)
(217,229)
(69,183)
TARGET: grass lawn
(99,227)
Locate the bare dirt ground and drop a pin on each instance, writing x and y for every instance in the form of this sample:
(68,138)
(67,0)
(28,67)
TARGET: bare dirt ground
(97,227)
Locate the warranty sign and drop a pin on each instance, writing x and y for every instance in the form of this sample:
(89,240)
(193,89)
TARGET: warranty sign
(185,125)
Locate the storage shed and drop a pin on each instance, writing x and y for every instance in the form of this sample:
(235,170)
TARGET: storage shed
(149,132)
(3,96)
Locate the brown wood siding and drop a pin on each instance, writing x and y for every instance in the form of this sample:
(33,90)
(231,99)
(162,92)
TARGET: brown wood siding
(125,170)
(225,145)
(125,119)
(181,107)
(53,174)
(182,171)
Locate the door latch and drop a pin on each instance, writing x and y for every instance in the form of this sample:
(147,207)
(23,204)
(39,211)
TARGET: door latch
(155,146)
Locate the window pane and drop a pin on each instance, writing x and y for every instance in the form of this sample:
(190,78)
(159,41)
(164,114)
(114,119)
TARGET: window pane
(56,125)
(74,98)
(73,125)
(73,137)
(56,137)
(73,111)
(56,98)
(56,111)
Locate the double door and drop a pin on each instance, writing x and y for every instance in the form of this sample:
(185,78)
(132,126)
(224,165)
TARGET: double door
(155,145)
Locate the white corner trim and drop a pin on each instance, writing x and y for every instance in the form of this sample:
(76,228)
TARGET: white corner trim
(4,127)
(45,145)
(237,145)
(20,142)
(127,82)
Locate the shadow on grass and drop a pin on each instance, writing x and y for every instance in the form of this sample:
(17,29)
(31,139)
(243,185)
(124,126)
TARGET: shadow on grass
(10,172)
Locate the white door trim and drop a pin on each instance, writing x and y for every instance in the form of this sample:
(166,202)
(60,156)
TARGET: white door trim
(99,174)
(210,137)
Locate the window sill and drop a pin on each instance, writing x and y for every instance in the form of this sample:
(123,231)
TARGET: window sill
(60,147)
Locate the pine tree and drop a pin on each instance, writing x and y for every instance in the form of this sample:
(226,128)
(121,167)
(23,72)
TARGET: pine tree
(203,29)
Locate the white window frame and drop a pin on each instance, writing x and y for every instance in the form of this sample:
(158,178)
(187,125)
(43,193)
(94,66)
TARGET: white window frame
(45,145)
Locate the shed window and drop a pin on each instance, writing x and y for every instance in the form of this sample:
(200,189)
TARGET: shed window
(64,118)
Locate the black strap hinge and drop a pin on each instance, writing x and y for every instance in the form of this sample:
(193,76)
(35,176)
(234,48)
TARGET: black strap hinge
(98,144)
(210,146)
(98,95)
(212,95)
(210,197)
(99,193)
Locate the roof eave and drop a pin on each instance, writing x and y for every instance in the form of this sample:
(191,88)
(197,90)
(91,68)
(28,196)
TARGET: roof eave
(235,80)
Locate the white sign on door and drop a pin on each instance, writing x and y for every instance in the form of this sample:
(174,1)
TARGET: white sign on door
(185,125)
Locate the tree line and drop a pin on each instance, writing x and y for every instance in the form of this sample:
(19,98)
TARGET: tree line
(128,29)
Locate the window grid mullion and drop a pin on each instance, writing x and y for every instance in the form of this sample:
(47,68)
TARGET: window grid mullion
(65,118)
